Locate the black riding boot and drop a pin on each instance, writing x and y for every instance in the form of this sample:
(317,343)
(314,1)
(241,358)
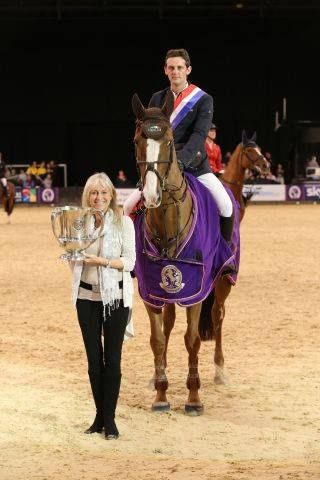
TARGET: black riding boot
(111,393)
(226,227)
(96,380)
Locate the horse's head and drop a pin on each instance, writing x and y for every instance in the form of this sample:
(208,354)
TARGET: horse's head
(154,148)
(251,156)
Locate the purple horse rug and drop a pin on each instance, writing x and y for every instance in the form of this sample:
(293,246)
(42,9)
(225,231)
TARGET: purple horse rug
(189,277)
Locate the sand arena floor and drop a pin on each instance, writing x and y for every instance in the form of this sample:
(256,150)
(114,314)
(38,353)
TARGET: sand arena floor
(263,425)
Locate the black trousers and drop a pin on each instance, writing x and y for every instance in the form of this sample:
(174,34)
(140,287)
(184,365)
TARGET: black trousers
(104,357)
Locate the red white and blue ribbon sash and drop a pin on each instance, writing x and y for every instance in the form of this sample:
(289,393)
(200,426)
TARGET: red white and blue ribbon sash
(184,103)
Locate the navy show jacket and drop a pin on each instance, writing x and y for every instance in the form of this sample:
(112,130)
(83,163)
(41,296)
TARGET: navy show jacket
(191,133)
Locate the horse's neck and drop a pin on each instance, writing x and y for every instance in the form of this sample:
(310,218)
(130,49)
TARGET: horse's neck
(234,173)
(173,218)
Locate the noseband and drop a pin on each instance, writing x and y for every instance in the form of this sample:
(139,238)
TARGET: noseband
(155,130)
(244,151)
(151,168)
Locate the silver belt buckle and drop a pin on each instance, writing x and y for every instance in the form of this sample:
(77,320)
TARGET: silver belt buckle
(95,288)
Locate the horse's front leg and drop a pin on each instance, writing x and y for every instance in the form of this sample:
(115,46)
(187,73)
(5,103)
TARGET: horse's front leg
(192,341)
(169,316)
(158,345)
(222,291)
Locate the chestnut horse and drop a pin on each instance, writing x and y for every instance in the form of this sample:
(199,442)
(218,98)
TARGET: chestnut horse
(168,219)
(246,156)
(8,201)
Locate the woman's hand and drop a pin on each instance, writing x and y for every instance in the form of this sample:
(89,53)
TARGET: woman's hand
(95,261)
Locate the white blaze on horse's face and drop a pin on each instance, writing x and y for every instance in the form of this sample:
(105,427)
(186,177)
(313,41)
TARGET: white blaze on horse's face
(262,165)
(151,192)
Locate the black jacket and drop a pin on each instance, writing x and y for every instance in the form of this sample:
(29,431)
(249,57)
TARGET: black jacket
(190,135)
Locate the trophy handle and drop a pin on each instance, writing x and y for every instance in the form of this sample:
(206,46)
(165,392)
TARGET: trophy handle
(54,215)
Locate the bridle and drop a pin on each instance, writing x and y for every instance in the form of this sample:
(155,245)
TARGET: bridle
(163,180)
(244,151)
(155,130)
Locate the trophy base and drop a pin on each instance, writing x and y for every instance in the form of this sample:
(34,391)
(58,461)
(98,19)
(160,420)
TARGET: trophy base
(73,256)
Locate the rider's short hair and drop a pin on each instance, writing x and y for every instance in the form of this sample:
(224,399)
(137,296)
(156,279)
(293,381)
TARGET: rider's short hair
(178,52)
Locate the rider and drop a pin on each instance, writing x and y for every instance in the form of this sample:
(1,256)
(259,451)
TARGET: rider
(190,120)
(3,171)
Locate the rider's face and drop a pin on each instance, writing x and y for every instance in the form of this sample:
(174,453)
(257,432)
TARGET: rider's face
(177,72)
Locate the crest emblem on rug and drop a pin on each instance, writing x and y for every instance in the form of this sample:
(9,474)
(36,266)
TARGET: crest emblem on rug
(171,278)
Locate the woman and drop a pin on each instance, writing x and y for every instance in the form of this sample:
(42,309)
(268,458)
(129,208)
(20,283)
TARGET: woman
(102,292)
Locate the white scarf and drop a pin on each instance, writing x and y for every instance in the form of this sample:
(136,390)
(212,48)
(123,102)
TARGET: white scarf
(110,247)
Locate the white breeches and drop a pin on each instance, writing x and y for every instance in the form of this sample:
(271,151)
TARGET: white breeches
(209,180)
(218,192)
(4,181)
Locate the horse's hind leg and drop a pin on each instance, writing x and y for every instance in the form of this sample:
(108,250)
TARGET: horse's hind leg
(192,341)
(158,345)
(169,316)
(222,291)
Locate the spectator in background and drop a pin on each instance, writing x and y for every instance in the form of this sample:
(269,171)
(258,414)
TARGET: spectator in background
(280,173)
(29,181)
(52,169)
(22,176)
(32,169)
(213,150)
(42,171)
(47,181)
(122,180)
(313,162)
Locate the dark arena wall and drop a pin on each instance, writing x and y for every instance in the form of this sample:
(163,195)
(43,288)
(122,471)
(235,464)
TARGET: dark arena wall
(66,84)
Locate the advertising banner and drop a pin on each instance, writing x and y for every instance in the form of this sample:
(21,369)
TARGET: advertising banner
(48,195)
(295,193)
(266,192)
(26,195)
(36,195)
(312,191)
(304,192)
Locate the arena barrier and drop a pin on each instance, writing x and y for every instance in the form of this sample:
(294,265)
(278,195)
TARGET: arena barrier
(303,192)
(29,195)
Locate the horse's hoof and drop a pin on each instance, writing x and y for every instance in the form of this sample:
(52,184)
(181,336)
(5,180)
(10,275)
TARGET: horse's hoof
(193,409)
(160,407)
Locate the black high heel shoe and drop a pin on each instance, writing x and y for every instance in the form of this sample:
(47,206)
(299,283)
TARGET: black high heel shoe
(97,425)
(110,429)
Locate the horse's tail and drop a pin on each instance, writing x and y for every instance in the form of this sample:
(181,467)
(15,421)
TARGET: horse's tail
(206,330)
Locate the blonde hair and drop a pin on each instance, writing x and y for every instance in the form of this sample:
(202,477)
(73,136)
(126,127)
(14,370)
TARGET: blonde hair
(102,179)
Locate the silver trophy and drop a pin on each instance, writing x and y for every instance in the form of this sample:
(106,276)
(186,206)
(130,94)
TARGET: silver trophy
(75,229)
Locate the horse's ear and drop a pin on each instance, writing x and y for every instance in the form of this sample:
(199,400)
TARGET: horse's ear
(168,105)
(254,137)
(244,138)
(137,107)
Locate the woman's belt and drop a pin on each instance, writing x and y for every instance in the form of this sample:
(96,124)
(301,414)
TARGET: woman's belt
(96,288)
